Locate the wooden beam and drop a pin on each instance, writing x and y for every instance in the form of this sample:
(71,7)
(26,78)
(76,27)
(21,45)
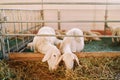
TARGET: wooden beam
(39,56)
(25,56)
(98,54)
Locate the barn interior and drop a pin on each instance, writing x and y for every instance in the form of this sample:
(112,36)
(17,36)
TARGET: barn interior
(21,20)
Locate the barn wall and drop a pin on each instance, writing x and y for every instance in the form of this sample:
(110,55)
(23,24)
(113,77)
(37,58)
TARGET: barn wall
(16,15)
(72,12)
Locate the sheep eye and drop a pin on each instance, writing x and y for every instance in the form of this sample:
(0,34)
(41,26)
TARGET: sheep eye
(54,55)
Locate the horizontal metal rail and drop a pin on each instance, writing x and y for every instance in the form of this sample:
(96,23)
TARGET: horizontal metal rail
(106,36)
(61,3)
(20,44)
(62,21)
(46,9)
(21,9)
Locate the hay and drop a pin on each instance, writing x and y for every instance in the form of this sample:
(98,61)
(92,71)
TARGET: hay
(32,70)
(98,68)
(92,69)
(5,71)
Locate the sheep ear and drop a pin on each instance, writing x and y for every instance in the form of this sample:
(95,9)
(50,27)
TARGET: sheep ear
(46,57)
(76,59)
(59,60)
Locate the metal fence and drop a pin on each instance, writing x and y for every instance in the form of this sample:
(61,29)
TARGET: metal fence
(15,42)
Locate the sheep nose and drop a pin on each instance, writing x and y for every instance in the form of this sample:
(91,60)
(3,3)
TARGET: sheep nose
(54,69)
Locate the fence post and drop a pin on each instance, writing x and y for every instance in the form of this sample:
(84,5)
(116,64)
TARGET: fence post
(2,40)
(59,26)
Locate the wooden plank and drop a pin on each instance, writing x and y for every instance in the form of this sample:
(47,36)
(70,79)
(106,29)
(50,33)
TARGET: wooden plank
(98,54)
(39,56)
(25,56)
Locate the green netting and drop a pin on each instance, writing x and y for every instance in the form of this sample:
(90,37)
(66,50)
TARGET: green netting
(0,55)
(104,45)
(11,42)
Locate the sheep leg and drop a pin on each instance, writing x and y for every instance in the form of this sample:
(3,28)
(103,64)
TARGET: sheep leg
(113,40)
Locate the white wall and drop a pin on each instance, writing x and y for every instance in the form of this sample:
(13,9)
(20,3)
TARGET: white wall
(58,6)
(79,12)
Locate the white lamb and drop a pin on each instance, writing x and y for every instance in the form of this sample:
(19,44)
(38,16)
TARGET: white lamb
(90,33)
(45,45)
(70,45)
(115,32)
(44,31)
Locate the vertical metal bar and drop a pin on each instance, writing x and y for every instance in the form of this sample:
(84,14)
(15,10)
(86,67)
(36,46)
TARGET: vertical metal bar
(19,27)
(2,37)
(16,40)
(31,18)
(27,18)
(35,18)
(21,24)
(7,38)
(106,16)
(21,18)
(18,20)
(94,17)
(40,18)
(42,13)
(58,15)
(2,42)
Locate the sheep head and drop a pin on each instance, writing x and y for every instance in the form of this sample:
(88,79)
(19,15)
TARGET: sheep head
(52,58)
(30,45)
(69,59)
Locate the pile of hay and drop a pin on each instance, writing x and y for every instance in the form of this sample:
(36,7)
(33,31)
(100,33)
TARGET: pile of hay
(92,69)
(5,71)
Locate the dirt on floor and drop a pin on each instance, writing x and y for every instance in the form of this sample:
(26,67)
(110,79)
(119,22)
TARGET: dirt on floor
(92,69)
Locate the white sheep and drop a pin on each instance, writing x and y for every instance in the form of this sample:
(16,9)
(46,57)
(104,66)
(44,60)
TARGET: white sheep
(70,45)
(115,32)
(89,33)
(30,45)
(44,31)
(51,52)
(68,57)
(45,45)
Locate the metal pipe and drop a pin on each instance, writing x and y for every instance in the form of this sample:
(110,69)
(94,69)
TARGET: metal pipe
(59,18)
(2,38)
(15,30)
(60,3)
(21,26)
(5,32)
(20,9)
(106,36)
(62,21)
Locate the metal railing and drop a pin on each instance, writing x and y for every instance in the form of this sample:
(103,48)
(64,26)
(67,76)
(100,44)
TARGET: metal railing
(101,36)
(60,3)
(63,21)
(13,43)
(19,47)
